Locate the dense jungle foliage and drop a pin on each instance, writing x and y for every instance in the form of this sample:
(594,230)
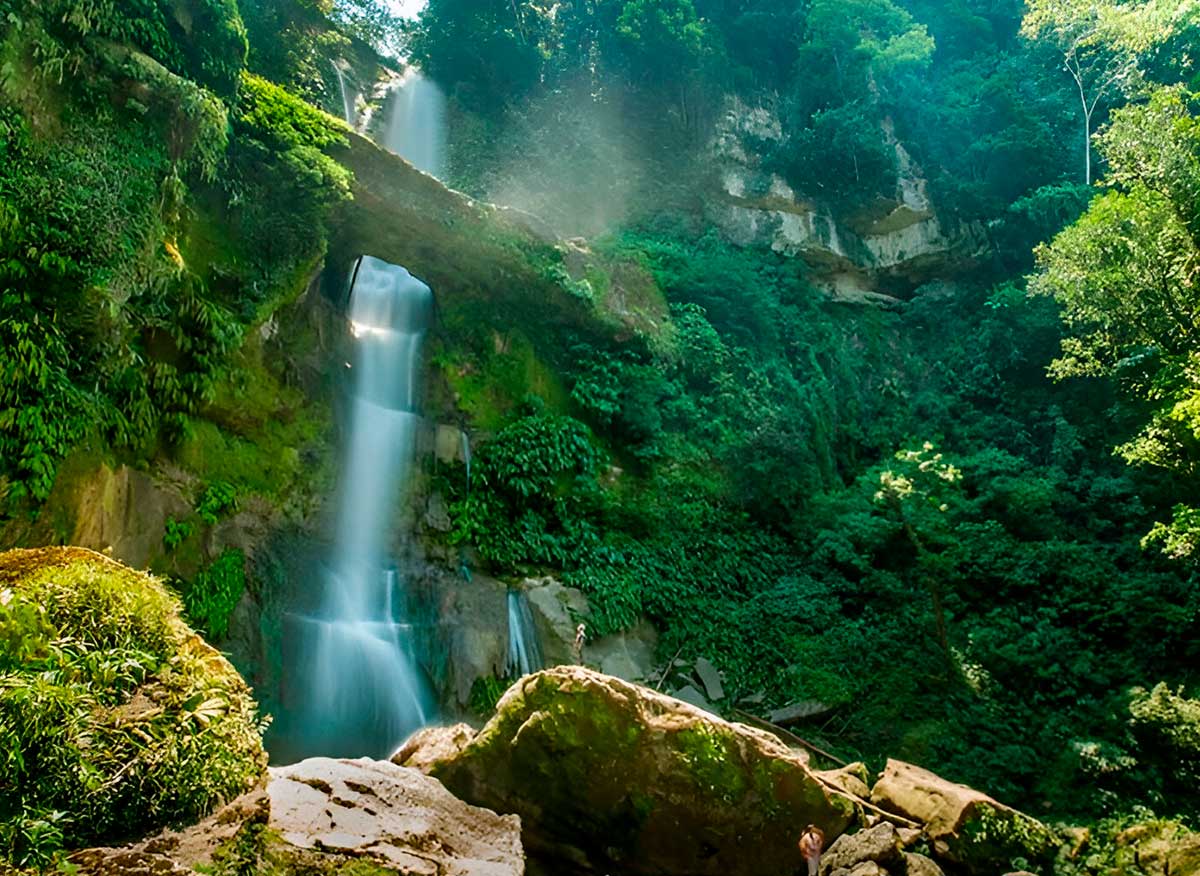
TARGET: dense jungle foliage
(966,522)
(915,516)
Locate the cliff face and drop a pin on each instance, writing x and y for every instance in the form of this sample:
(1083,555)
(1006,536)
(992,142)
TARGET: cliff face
(875,252)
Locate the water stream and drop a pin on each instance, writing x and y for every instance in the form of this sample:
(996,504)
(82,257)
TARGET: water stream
(348,97)
(524,652)
(416,123)
(362,692)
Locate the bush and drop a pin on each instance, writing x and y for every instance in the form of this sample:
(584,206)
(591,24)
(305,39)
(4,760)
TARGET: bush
(115,719)
(214,593)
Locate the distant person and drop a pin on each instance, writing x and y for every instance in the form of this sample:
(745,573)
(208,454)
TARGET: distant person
(580,638)
(812,843)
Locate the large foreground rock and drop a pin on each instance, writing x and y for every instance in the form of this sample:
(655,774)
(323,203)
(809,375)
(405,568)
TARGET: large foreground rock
(965,826)
(397,816)
(326,816)
(628,780)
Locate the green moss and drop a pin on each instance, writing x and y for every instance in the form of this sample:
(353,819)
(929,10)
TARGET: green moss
(489,384)
(115,719)
(995,838)
(255,432)
(713,762)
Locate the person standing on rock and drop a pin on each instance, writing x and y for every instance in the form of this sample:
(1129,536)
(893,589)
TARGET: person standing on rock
(580,638)
(812,843)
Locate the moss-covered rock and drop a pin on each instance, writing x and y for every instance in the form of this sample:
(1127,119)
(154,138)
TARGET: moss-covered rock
(1158,847)
(115,717)
(633,780)
(966,826)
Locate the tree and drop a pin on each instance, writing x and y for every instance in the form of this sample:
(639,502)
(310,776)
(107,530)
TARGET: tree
(488,52)
(915,492)
(1127,274)
(1101,44)
(855,53)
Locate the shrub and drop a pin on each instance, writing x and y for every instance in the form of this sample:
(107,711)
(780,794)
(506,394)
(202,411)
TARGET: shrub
(115,719)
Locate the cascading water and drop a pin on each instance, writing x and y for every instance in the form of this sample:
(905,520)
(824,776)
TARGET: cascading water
(466,452)
(363,693)
(348,111)
(524,652)
(416,123)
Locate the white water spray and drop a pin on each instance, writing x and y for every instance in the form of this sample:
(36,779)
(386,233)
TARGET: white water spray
(416,123)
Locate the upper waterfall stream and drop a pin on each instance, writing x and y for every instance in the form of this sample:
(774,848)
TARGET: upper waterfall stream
(416,123)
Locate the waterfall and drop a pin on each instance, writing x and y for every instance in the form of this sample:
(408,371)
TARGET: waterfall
(416,123)
(466,452)
(524,653)
(348,112)
(362,691)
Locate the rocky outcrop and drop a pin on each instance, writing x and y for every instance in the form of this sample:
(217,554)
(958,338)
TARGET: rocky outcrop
(963,825)
(466,635)
(878,845)
(395,816)
(888,247)
(609,774)
(431,746)
(124,511)
(485,257)
(1158,847)
(557,609)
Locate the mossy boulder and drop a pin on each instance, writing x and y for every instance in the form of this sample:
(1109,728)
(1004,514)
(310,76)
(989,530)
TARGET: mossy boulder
(623,778)
(115,717)
(1158,847)
(965,826)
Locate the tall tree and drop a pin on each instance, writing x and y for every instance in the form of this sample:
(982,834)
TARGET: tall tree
(1102,42)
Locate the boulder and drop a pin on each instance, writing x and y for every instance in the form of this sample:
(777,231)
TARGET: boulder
(637,782)
(398,817)
(878,845)
(628,654)
(851,778)
(864,868)
(330,816)
(964,826)
(557,609)
(919,865)
(431,745)
(1159,847)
